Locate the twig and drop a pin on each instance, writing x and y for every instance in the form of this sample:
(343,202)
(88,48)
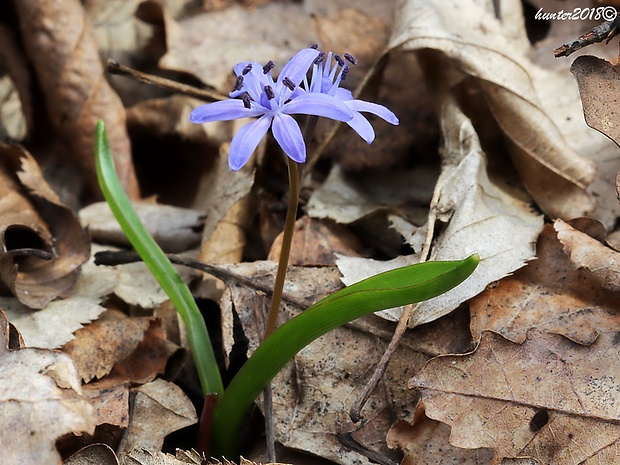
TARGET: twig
(112,258)
(605,31)
(114,67)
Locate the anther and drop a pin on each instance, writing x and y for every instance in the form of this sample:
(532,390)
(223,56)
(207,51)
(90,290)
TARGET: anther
(339,59)
(350,58)
(345,73)
(247,69)
(314,46)
(247,102)
(268,67)
(269,92)
(319,58)
(288,83)
(238,83)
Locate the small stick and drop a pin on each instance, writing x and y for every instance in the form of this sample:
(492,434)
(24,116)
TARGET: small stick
(115,67)
(604,31)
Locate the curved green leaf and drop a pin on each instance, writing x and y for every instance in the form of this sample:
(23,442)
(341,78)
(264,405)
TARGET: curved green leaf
(393,288)
(158,264)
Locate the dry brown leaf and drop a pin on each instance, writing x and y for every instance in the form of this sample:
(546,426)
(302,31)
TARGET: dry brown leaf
(12,120)
(571,289)
(211,57)
(158,408)
(175,229)
(316,242)
(225,199)
(95,454)
(100,345)
(60,44)
(426,442)
(554,174)
(34,404)
(599,86)
(547,398)
(110,400)
(33,217)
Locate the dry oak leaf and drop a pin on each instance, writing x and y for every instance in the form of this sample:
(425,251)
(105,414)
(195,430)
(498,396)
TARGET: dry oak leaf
(571,289)
(33,221)
(472,41)
(60,43)
(548,398)
(35,405)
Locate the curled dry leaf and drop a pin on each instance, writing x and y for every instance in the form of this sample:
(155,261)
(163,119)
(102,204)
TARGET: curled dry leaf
(100,454)
(546,398)
(571,289)
(35,404)
(471,41)
(60,44)
(35,223)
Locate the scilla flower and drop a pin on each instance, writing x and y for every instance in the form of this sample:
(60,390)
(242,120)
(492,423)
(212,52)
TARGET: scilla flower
(326,80)
(272,101)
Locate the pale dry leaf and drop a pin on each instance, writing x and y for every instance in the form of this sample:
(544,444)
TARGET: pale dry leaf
(546,398)
(95,454)
(158,409)
(232,38)
(473,43)
(478,214)
(54,325)
(175,229)
(571,289)
(349,198)
(12,120)
(35,403)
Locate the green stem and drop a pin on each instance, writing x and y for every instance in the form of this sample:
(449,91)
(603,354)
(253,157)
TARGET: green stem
(158,264)
(285,251)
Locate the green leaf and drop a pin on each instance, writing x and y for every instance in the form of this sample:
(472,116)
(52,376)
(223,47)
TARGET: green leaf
(387,290)
(158,264)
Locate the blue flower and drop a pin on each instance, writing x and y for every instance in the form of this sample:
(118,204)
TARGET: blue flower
(326,80)
(273,102)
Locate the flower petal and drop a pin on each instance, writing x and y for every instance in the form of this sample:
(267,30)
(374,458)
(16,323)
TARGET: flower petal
(298,66)
(312,103)
(224,110)
(253,81)
(375,109)
(287,133)
(246,140)
(363,127)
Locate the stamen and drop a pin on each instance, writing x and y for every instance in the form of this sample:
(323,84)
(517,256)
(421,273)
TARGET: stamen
(339,59)
(269,92)
(319,58)
(247,69)
(268,67)
(238,83)
(247,101)
(350,58)
(288,83)
(345,73)
(314,46)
